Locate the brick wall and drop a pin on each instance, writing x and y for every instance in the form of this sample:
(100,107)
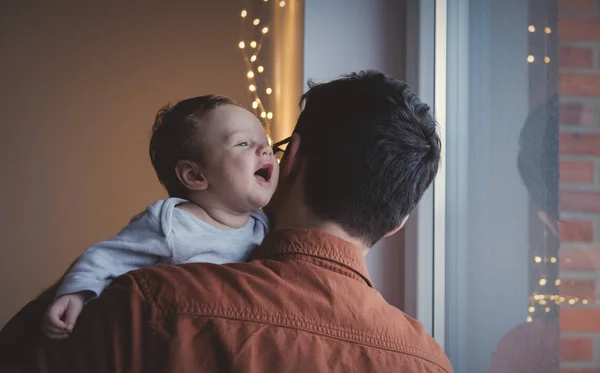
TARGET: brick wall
(579,86)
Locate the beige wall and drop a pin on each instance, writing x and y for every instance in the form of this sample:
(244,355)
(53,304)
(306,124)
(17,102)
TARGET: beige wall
(80,86)
(363,35)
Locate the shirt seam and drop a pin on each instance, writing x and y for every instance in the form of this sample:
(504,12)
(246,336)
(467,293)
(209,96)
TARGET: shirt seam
(166,234)
(305,325)
(332,267)
(300,247)
(358,273)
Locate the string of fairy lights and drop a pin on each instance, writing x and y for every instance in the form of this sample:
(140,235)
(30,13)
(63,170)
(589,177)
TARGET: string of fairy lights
(256,24)
(543,299)
(531,57)
(546,297)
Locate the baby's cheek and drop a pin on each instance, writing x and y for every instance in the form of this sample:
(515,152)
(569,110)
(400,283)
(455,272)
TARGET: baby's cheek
(241,167)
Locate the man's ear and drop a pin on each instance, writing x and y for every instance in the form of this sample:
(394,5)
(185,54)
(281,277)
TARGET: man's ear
(393,231)
(190,176)
(290,159)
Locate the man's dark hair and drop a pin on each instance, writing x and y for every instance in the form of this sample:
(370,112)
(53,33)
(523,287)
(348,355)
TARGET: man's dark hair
(372,149)
(175,137)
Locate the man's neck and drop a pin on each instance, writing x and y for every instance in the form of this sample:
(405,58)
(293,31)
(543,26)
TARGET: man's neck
(302,218)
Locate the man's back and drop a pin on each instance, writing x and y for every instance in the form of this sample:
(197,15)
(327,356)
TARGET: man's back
(303,304)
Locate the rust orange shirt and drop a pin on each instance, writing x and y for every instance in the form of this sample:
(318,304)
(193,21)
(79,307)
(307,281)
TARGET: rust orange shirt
(304,303)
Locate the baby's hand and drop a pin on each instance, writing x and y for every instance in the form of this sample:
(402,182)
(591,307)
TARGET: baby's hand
(59,319)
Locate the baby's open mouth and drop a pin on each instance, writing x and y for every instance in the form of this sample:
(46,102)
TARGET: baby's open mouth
(264,172)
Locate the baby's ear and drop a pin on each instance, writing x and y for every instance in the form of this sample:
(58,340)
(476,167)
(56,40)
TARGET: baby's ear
(189,174)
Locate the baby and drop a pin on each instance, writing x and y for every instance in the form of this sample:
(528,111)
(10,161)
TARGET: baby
(214,159)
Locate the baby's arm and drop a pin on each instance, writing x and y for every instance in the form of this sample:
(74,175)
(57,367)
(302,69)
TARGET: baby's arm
(141,243)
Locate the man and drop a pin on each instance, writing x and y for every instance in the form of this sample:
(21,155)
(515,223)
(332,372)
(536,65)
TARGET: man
(363,152)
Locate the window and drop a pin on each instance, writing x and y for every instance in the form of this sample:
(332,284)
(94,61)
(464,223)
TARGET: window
(522,186)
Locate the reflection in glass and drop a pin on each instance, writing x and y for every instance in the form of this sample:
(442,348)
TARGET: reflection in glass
(523,186)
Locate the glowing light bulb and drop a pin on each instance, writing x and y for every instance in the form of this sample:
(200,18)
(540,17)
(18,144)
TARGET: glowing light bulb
(571,301)
(263,115)
(250,74)
(529,319)
(531,309)
(557,282)
(244,13)
(531,28)
(282,4)
(256,22)
(530,58)
(543,302)
(253,58)
(265,30)
(585,301)
(270,115)
(547,60)
(253,44)
(254,105)
(537,259)
(552,259)
(242,45)
(547,309)
(548,30)
(268,91)
(252,88)
(260,69)
(542,281)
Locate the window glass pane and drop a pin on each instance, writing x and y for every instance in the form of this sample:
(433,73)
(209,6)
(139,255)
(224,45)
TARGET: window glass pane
(523,186)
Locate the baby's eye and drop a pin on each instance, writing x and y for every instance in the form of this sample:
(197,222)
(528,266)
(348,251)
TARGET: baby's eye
(243,144)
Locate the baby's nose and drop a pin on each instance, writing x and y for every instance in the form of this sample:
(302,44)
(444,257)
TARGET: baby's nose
(265,149)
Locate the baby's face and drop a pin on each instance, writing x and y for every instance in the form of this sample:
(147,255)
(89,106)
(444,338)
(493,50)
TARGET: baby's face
(239,164)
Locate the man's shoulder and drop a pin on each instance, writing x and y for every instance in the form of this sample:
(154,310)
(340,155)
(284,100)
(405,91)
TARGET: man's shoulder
(287,297)
(197,285)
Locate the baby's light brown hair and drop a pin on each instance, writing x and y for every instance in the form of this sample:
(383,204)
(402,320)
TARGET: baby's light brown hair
(175,137)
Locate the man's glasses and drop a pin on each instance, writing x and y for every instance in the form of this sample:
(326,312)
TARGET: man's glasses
(279,148)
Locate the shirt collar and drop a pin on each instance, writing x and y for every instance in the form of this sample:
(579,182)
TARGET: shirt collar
(313,243)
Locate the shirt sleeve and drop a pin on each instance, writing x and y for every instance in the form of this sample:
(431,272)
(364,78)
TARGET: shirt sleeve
(111,335)
(141,243)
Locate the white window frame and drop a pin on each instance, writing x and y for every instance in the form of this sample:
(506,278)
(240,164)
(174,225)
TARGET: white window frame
(426,231)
